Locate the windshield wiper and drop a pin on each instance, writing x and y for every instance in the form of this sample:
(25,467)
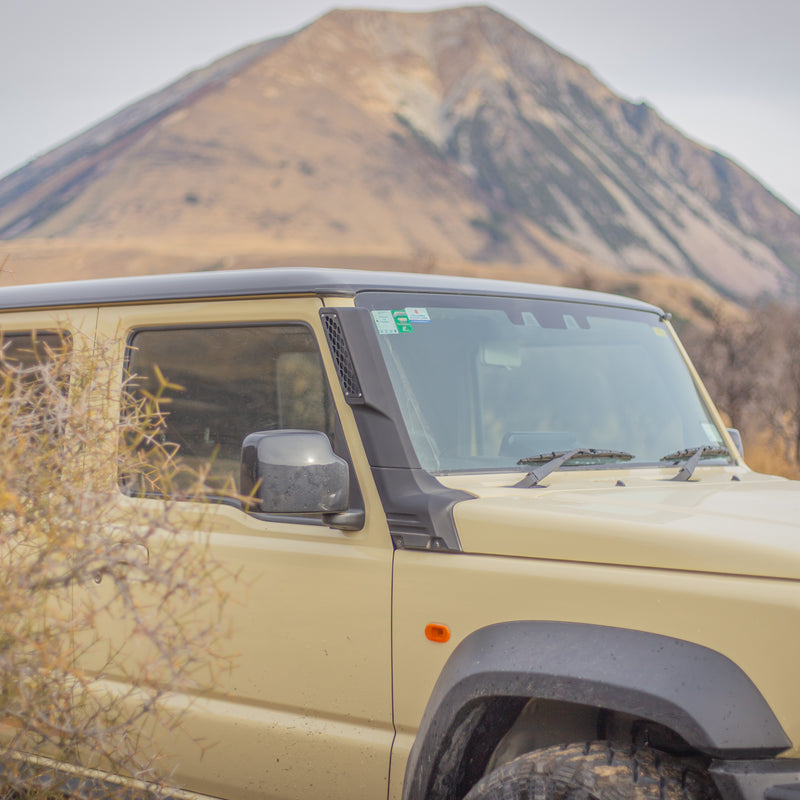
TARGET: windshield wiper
(692,456)
(552,461)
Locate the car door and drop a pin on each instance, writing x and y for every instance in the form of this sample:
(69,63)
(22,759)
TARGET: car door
(305,710)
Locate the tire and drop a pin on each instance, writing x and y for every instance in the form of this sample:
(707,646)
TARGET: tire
(596,771)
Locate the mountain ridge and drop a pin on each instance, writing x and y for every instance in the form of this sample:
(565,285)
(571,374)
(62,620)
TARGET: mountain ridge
(453,135)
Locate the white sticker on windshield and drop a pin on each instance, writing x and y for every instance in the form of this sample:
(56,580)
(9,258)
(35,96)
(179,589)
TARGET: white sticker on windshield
(712,432)
(384,322)
(417,315)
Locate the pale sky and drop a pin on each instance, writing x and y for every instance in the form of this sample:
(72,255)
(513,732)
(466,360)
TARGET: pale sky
(724,72)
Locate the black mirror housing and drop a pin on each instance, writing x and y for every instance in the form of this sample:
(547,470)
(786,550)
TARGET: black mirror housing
(293,472)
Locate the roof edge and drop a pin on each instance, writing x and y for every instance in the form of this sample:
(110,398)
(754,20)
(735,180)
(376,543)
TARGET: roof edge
(264,282)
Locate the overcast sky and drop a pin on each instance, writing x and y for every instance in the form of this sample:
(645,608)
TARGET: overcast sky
(723,71)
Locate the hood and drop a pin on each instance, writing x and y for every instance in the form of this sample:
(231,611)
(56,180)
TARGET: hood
(725,521)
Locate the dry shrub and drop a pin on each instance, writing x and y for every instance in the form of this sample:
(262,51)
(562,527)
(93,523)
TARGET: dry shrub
(766,452)
(751,366)
(109,604)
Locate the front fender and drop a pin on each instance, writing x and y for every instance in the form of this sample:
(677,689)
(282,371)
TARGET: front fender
(699,693)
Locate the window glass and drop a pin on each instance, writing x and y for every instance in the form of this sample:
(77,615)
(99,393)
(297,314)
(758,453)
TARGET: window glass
(29,349)
(483,382)
(35,376)
(224,383)
(34,357)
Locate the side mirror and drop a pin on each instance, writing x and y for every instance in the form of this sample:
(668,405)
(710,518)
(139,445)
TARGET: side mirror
(293,472)
(737,440)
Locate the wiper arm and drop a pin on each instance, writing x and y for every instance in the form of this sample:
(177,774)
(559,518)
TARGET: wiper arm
(550,462)
(692,457)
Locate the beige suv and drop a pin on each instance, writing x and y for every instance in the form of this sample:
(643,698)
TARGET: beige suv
(501,544)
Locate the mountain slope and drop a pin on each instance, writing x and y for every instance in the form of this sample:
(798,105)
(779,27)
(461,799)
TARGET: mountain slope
(455,134)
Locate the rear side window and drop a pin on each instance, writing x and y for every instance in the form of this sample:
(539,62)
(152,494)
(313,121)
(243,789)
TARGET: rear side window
(34,360)
(28,350)
(35,380)
(227,382)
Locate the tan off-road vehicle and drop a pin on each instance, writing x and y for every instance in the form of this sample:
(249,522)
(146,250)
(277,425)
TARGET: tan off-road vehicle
(500,543)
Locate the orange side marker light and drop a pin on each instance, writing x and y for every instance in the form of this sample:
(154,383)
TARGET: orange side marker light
(437,633)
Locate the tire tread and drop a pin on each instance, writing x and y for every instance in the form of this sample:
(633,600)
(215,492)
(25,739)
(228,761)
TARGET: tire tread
(596,771)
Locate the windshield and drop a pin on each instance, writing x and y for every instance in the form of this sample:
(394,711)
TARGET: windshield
(485,382)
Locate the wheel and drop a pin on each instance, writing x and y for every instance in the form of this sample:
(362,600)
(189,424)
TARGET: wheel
(596,771)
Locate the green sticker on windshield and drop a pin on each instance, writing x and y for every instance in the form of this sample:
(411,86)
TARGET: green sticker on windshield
(387,322)
(401,320)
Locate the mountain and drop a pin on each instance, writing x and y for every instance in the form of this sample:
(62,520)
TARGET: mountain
(376,137)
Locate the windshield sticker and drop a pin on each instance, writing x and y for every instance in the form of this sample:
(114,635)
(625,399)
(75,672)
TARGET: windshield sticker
(392,322)
(712,432)
(418,315)
(660,332)
(401,320)
(384,322)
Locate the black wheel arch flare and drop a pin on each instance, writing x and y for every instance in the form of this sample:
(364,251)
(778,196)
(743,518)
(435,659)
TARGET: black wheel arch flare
(697,692)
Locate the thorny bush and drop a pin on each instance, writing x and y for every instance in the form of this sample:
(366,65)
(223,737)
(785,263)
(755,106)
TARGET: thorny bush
(109,605)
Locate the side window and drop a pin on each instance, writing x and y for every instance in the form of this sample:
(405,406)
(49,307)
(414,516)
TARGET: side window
(227,382)
(27,350)
(38,362)
(35,379)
